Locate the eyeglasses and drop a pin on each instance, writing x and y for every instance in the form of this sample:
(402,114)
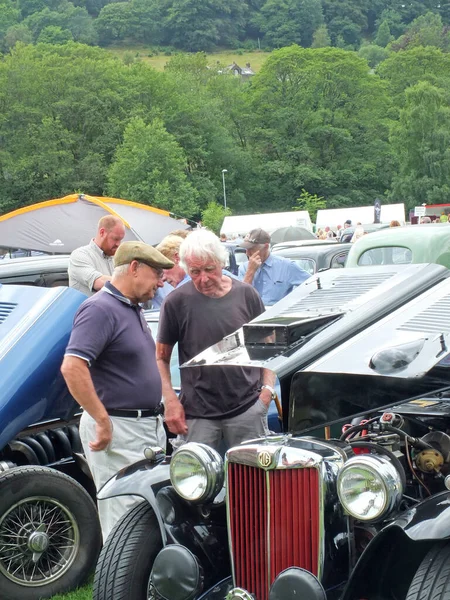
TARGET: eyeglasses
(159,272)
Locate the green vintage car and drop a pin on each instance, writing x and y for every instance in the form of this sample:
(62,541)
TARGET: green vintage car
(428,243)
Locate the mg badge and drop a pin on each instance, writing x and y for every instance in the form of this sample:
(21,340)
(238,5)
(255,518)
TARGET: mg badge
(264,458)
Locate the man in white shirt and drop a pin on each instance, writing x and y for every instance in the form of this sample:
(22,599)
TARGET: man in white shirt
(91,266)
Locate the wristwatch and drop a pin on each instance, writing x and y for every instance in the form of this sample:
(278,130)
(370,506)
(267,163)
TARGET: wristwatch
(271,390)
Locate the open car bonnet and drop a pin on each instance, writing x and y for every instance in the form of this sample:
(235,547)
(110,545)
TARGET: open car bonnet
(335,310)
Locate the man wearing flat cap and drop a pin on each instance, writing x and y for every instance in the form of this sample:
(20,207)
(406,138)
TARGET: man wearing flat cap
(110,370)
(274,277)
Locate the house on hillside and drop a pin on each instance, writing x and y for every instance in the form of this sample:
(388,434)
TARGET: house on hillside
(243,72)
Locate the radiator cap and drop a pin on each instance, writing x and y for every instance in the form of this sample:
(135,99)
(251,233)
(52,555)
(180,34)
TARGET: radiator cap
(239,594)
(295,583)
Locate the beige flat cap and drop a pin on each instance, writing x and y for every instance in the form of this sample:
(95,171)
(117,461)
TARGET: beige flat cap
(128,251)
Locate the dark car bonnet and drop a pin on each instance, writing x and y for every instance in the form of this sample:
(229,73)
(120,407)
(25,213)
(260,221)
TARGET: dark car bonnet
(319,315)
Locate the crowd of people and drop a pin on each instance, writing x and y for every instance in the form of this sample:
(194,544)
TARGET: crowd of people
(119,374)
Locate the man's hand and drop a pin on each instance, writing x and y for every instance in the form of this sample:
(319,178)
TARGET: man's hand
(174,414)
(254,262)
(103,438)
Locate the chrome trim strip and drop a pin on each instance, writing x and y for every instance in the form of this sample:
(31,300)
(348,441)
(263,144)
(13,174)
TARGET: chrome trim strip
(227,504)
(268,528)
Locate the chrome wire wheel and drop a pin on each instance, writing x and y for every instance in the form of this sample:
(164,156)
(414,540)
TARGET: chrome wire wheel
(151,592)
(39,541)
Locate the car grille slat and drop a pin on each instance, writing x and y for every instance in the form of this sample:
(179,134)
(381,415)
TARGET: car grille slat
(341,291)
(430,320)
(274,524)
(6,309)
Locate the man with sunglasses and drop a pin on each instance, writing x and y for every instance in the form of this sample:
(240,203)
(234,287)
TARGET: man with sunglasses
(110,369)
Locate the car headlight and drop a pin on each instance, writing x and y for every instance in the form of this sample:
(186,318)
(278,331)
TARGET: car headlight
(196,472)
(369,487)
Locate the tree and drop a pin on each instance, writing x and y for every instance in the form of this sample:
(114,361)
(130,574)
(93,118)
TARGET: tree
(146,21)
(194,64)
(213,216)
(373,54)
(347,19)
(85,98)
(320,124)
(37,165)
(17,33)
(383,36)
(311,203)
(38,21)
(404,69)
(394,20)
(9,17)
(286,22)
(202,25)
(114,23)
(421,140)
(29,7)
(426,30)
(150,167)
(321,38)
(54,35)
(80,24)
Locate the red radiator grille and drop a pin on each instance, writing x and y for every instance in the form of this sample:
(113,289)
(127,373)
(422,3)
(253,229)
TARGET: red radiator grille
(263,545)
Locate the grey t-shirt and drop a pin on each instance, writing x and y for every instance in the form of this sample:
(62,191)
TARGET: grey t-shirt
(197,322)
(86,264)
(112,335)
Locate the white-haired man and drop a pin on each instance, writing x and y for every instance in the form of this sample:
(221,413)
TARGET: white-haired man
(217,405)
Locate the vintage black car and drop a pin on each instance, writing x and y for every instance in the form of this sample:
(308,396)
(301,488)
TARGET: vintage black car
(315,257)
(352,501)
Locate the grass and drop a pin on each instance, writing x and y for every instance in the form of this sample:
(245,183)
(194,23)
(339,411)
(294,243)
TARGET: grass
(255,58)
(84,593)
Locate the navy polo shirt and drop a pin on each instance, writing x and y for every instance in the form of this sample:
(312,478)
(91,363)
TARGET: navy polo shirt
(111,334)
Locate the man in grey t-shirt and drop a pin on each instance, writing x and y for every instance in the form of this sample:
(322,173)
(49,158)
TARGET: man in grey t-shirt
(91,266)
(217,405)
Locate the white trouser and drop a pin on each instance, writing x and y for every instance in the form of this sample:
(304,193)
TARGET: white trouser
(130,437)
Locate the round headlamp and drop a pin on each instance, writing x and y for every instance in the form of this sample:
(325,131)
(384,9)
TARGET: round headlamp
(369,487)
(196,472)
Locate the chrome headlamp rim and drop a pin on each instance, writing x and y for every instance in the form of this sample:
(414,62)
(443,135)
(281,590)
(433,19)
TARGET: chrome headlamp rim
(212,464)
(385,472)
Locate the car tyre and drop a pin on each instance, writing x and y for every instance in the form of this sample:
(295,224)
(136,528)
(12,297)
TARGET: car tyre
(50,534)
(432,578)
(126,560)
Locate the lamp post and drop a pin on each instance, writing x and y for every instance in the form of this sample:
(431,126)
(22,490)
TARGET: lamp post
(224,190)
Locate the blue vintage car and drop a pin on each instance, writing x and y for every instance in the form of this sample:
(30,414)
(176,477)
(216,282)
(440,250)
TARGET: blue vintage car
(49,531)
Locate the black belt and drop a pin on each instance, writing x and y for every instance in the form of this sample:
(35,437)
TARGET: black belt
(135,412)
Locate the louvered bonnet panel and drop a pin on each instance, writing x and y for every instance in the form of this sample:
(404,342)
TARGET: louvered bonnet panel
(431,319)
(6,309)
(337,293)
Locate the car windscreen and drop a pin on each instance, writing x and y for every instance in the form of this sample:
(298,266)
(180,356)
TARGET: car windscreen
(240,256)
(307,264)
(338,261)
(388,255)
